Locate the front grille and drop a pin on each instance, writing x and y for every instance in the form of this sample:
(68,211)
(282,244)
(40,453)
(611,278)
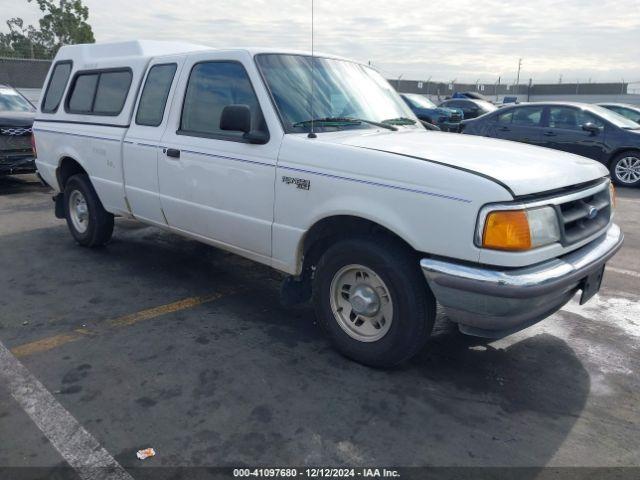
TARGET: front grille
(15,131)
(15,140)
(582,217)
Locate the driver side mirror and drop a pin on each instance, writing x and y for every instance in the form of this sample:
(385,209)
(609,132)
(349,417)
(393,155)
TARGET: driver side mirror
(590,127)
(237,118)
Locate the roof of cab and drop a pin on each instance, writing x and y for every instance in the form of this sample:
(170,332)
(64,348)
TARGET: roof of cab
(144,49)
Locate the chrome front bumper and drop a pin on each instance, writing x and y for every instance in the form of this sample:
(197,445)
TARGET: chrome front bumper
(493,303)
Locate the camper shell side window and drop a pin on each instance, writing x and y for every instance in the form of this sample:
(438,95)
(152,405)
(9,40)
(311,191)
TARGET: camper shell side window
(56,86)
(99,92)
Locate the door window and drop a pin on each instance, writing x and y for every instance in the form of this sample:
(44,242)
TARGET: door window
(571,118)
(154,95)
(527,116)
(212,86)
(505,117)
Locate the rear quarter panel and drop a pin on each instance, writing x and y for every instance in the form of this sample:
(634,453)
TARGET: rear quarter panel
(97,149)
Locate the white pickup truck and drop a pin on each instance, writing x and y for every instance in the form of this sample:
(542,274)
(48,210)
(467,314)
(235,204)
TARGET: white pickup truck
(336,184)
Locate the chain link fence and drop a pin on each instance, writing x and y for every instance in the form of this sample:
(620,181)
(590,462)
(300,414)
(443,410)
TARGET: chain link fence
(23,73)
(498,91)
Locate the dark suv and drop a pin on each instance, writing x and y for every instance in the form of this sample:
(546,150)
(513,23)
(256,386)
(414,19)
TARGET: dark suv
(16,120)
(588,130)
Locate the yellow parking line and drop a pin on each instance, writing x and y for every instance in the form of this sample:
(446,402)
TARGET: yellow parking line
(164,309)
(49,343)
(56,341)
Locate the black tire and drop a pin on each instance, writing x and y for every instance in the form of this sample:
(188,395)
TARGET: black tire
(99,222)
(414,307)
(618,159)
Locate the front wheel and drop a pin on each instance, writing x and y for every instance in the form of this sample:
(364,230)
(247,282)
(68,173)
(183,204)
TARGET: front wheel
(371,298)
(90,224)
(625,169)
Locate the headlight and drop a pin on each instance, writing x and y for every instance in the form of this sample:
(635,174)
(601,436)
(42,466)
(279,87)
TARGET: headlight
(518,230)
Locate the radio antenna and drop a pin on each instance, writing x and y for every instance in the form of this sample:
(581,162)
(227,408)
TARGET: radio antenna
(312,133)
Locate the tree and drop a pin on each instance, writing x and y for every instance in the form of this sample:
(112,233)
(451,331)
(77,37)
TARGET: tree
(64,23)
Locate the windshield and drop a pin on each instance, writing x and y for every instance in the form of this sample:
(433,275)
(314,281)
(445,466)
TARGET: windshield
(342,90)
(12,101)
(613,117)
(419,101)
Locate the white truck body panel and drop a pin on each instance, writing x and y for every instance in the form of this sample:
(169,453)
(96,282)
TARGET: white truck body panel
(426,187)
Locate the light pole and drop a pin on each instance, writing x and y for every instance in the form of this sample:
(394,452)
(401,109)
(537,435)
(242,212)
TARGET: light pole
(518,77)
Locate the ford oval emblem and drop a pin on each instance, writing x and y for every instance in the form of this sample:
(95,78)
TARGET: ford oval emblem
(593,212)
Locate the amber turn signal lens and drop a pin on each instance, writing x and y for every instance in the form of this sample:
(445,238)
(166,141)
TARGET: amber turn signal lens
(612,192)
(507,230)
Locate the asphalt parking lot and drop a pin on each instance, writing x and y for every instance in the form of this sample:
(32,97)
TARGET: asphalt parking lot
(157,341)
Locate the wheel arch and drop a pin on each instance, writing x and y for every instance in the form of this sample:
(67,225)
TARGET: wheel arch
(67,167)
(620,150)
(330,229)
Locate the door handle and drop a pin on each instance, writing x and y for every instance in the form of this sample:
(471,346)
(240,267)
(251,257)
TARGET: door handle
(504,129)
(172,152)
(550,134)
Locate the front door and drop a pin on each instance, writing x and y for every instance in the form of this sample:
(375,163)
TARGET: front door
(214,184)
(565,132)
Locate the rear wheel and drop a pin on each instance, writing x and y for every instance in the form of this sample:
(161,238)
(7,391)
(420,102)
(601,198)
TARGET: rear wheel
(90,224)
(371,298)
(625,169)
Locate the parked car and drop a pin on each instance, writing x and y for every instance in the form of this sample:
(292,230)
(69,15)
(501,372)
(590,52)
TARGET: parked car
(632,112)
(471,95)
(509,101)
(447,119)
(580,128)
(16,120)
(370,215)
(471,108)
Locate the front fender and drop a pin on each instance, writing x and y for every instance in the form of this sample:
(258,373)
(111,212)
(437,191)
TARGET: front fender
(432,207)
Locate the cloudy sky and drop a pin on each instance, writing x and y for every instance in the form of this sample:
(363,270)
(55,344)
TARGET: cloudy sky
(467,40)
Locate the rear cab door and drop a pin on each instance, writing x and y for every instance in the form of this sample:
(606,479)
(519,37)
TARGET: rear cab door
(520,124)
(141,145)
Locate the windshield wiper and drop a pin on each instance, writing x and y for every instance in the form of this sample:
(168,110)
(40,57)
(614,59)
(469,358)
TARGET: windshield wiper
(400,121)
(338,121)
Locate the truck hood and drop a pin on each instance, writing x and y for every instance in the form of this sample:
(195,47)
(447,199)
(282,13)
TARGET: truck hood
(523,169)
